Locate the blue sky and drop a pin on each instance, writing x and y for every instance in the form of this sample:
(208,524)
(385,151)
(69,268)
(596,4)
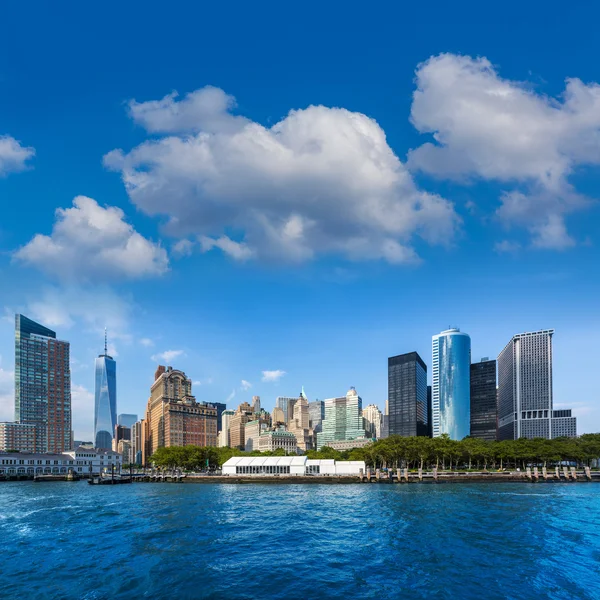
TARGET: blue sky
(332,185)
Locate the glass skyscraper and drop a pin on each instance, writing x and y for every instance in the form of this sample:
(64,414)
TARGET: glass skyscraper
(43,385)
(343,420)
(105,406)
(407,395)
(451,381)
(484,419)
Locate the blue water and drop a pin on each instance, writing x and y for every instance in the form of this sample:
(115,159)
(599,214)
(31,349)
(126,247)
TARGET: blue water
(71,540)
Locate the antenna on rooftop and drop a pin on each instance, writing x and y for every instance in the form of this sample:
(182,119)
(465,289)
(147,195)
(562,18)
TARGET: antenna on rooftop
(105,343)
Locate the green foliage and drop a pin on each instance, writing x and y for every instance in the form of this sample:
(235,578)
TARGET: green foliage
(411,452)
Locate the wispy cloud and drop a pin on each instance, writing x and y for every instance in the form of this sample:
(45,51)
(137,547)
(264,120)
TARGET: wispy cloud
(271,376)
(246,385)
(147,342)
(167,356)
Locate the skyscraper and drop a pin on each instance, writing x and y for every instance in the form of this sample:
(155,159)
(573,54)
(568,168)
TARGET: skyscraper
(373,420)
(173,417)
(484,418)
(43,385)
(525,397)
(343,420)
(299,425)
(316,413)
(105,405)
(407,395)
(450,390)
(127,420)
(286,404)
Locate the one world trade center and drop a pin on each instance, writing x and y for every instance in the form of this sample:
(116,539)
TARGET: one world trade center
(105,407)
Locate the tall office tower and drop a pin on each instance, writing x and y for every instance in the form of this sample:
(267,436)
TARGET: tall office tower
(256,404)
(252,431)
(136,443)
(451,379)
(343,420)
(43,385)
(429,412)
(316,414)
(173,416)
(105,405)
(127,420)
(237,425)
(286,404)
(373,420)
(121,433)
(300,424)
(525,398)
(224,440)
(220,406)
(484,418)
(407,395)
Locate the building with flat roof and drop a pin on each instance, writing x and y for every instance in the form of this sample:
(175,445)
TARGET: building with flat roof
(373,420)
(277,439)
(18,436)
(451,384)
(126,419)
(484,413)
(43,384)
(237,425)
(173,417)
(343,420)
(525,392)
(286,404)
(292,466)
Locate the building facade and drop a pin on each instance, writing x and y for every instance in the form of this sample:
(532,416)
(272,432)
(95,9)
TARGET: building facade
(407,395)
(221,407)
(525,395)
(105,401)
(563,424)
(224,440)
(43,385)
(83,461)
(343,420)
(252,431)
(373,421)
(237,425)
(484,413)
(451,382)
(286,404)
(299,425)
(173,417)
(278,418)
(277,439)
(18,436)
(316,414)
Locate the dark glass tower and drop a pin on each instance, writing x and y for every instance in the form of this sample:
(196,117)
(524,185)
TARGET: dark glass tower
(43,385)
(407,395)
(105,405)
(483,400)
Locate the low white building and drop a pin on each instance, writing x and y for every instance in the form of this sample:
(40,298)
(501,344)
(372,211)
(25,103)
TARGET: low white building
(79,461)
(290,465)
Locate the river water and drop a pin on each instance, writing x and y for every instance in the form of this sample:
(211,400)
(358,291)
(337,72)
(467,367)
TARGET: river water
(294,541)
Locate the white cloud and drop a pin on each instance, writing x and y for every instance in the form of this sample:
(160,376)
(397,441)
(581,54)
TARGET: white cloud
(246,385)
(270,376)
(321,180)
(91,242)
(7,394)
(13,156)
(147,342)
(167,356)
(82,407)
(496,129)
(230,397)
(183,248)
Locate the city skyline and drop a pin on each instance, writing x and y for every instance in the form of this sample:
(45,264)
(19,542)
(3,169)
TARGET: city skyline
(313,264)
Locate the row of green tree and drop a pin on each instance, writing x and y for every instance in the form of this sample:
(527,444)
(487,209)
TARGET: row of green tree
(412,452)
(442,452)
